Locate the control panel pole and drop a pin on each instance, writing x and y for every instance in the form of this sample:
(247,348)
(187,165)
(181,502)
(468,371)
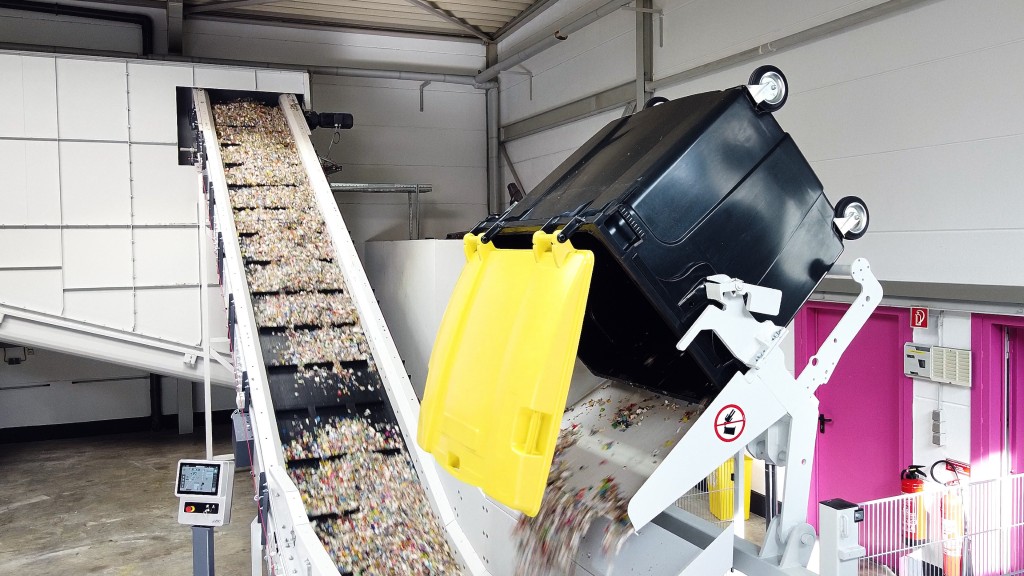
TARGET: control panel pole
(202,551)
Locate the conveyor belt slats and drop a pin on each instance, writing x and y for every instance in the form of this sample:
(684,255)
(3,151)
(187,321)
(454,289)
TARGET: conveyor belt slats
(332,408)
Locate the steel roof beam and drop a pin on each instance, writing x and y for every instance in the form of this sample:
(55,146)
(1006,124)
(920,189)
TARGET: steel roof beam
(216,6)
(523,19)
(451,18)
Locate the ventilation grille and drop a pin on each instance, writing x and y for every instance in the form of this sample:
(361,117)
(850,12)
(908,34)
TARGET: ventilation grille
(951,365)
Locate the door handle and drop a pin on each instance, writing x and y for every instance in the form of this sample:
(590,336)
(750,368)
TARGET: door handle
(821,422)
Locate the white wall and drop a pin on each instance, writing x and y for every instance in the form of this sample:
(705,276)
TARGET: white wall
(393,142)
(101,225)
(53,388)
(597,57)
(952,330)
(934,162)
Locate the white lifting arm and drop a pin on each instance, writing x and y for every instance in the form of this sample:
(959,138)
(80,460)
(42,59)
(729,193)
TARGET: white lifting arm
(821,366)
(764,407)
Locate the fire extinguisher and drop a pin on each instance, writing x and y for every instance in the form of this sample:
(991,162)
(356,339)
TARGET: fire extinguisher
(952,522)
(915,529)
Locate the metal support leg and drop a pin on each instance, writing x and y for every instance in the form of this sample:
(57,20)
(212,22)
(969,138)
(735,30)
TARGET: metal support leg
(202,551)
(525,72)
(185,407)
(256,546)
(416,204)
(644,52)
(771,498)
(156,411)
(412,215)
(423,88)
(739,492)
(790,538)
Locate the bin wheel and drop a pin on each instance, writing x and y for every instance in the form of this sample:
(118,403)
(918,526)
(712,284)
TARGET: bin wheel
(853,206)
(773,81)
(654,101)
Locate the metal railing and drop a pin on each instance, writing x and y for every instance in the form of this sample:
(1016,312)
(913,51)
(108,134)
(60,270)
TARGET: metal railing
(974,529)
(412,192)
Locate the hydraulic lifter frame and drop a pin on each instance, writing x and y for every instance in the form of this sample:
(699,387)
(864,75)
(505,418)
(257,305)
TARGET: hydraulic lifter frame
(765,408)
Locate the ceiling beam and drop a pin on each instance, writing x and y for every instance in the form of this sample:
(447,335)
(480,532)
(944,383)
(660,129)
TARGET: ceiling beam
(267,17)
(478,19)
(524,17)
(224,4)
(451,18)
(392,13)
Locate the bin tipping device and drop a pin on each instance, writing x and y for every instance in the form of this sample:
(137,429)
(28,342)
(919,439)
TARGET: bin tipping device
(668,253)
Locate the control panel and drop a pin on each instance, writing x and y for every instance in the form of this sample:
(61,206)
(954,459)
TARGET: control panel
(203,488)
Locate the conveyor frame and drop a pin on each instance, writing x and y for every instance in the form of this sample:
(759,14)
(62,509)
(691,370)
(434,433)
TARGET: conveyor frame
(291,545)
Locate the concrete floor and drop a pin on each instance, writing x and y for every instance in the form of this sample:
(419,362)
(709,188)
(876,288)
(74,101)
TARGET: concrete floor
(106,505)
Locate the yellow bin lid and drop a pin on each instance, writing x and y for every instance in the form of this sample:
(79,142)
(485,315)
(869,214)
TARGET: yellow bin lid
(500,369)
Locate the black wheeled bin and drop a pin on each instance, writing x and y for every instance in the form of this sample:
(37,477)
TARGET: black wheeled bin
(702,185)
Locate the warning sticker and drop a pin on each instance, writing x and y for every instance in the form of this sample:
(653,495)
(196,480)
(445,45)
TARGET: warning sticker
(730,422)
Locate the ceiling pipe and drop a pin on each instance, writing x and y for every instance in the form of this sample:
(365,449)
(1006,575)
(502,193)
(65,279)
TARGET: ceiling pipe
(145,23)
(494,176)
(49,49)
(461,79)
(550,40)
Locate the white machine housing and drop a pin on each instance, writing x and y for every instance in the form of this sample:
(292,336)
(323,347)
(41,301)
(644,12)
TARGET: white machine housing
(203,488)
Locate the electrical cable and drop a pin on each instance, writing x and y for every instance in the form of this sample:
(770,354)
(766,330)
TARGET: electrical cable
(328,165)
(335,138)
(931,472)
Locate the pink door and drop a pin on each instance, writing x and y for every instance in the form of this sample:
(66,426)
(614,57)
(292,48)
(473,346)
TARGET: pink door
(997,430)
(1015,421)
(1015,364)
(864,435)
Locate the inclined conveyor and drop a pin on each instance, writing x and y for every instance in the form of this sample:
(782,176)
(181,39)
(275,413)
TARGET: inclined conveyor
(340,482)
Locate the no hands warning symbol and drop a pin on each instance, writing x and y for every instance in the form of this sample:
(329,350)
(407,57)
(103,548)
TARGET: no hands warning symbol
(730,422)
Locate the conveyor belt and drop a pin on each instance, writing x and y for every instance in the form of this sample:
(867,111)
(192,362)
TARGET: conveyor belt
(340,438)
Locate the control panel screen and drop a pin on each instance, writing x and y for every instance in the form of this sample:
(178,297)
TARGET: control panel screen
(198,478)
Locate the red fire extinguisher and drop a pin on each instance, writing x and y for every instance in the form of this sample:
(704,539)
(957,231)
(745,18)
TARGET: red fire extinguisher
(952,519)
(915,530)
